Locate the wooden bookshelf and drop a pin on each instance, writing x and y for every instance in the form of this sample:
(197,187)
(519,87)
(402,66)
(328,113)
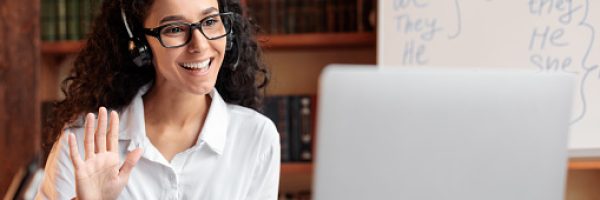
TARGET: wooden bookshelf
(269,42)
(296,168)
(584,164)
(318,40)
(296,176)
(62,47)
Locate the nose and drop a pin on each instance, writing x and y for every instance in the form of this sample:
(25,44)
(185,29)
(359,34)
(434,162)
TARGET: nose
(198,42)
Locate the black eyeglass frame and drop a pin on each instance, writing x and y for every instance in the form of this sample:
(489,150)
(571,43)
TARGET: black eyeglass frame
(155,32)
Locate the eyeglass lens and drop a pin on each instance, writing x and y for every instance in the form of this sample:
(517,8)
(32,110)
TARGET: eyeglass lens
(179,34)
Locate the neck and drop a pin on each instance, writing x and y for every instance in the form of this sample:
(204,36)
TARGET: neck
(166,107)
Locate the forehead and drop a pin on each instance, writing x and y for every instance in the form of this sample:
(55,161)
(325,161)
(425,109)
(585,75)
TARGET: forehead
(190,9)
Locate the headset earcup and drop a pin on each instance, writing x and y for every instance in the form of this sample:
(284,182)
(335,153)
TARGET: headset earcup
(232,51)
(230,41)
(140,53)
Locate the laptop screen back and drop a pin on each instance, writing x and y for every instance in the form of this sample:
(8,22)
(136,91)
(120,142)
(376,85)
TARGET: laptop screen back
(398,133)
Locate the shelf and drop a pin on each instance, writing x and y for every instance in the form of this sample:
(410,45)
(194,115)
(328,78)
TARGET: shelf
(268,42)
(62,47)
(318,40)
(296,168)
(296,176)
(582,164)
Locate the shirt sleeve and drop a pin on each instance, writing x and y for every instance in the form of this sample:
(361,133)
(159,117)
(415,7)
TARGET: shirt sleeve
(266,178)
(59,177)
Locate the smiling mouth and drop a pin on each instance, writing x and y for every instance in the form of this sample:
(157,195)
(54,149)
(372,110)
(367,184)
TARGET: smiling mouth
(197,66)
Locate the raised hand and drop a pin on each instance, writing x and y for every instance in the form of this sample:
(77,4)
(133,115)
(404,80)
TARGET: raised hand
(99,176)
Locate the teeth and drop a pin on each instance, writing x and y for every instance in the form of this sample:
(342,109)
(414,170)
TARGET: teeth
(197,65)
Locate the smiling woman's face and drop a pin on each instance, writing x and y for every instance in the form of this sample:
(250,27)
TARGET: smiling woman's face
(191,68)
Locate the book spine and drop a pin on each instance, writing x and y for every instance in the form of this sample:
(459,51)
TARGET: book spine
(73,20)
(295,128)
(306,128)
(275,108)
(61,7)
(282,16)
(47,20)
(353,16)
(331,15)
(322,16)
(266,12)
(301,16)
(274,16)
(360,15)
(340,11)
(284,123)
(86,17)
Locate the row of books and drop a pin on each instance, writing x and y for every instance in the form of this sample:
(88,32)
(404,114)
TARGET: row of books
(67,19)
(294,117)
(310,16)
(71,19)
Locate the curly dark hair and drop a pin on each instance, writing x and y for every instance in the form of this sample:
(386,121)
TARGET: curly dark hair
(105,75)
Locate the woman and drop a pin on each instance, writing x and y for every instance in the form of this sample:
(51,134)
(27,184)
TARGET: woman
(183,123)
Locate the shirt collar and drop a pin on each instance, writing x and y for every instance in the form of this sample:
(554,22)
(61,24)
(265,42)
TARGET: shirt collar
(214,132)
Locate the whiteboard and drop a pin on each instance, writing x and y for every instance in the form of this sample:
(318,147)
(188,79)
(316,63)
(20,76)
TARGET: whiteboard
(556,36)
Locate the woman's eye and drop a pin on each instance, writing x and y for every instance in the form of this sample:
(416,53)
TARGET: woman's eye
(210,22)
(173,30)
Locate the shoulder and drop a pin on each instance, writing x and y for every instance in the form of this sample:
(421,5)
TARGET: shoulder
(252,122)
(76,127)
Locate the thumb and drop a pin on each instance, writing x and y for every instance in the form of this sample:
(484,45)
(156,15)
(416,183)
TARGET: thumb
(130,161)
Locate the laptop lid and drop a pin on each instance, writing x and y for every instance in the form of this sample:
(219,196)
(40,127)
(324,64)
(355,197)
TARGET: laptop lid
(409,133)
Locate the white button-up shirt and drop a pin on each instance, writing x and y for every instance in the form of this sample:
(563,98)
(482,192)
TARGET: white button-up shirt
(237,156)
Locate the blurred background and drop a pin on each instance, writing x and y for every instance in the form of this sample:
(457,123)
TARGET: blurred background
(41,39)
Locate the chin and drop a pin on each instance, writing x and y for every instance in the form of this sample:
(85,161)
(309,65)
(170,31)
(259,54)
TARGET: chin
(202,89)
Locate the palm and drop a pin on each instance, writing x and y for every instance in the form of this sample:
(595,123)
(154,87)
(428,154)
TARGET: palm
(100,176)
(102,170)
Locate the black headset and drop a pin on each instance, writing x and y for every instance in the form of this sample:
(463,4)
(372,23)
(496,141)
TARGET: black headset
(141,54)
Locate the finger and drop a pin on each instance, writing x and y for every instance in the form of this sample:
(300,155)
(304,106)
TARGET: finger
(74,151)
(101,131)
(88,138)
(113,132)
(131,160)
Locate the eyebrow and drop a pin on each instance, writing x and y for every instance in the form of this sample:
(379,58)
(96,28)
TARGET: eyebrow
(180,17)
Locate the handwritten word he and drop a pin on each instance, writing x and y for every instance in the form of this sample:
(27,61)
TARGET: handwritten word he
(553,37)
(414,54)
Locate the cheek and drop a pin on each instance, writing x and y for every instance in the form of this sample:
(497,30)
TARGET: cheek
(220,47)
(160,55)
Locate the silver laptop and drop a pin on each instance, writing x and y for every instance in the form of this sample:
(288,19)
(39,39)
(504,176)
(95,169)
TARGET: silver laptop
(431,134)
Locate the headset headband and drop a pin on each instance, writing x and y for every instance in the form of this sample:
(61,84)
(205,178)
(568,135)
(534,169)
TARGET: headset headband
(125,22)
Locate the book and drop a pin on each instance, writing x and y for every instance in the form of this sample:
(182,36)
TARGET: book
(275,108)
(293,115)
(61,19)
(306,128)
(85,17)
(72,17)
(48,20)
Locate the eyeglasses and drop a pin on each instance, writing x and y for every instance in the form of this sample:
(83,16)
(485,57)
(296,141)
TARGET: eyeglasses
(179,34)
